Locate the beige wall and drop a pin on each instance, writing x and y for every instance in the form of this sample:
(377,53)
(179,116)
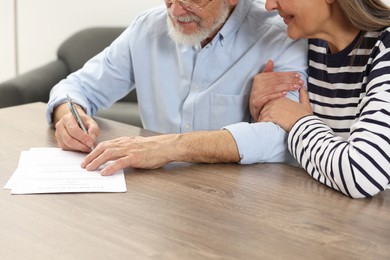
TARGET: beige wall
(43,24)
(7,43)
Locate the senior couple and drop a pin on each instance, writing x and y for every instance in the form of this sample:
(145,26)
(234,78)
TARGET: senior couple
(232,81)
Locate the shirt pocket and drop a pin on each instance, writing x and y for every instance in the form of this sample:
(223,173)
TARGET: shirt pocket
(228,109)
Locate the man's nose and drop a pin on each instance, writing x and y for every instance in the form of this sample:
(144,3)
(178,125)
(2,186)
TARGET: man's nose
(177,8)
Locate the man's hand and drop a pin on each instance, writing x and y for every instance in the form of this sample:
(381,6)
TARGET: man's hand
(286,112)
(68,133)
(269,85)
(156,151)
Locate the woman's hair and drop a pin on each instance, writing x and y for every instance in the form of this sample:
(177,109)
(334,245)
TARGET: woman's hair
(367,15)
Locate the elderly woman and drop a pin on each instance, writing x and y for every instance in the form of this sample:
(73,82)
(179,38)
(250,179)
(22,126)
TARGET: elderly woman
(340,130)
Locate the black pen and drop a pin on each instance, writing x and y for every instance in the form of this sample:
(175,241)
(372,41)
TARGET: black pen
(75,113)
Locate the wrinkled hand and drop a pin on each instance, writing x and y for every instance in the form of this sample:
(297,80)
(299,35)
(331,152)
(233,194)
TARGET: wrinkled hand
(285,112)
(136,151)
(269,85)
(71,137)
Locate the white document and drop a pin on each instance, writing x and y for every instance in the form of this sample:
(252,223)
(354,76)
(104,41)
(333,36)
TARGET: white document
(53,170)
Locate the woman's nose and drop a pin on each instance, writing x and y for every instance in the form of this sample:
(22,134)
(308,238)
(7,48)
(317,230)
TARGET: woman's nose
(271,5)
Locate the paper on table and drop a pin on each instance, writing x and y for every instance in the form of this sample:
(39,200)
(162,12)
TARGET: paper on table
(53,170)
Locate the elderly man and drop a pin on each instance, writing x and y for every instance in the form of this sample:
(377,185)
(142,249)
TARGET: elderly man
(193,63)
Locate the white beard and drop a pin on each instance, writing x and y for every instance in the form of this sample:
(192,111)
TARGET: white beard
(200,35)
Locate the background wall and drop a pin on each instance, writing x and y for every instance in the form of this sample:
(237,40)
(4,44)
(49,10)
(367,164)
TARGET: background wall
(42,25)
(7,43)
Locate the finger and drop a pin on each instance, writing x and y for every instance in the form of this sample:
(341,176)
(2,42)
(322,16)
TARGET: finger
(113,167)
(267,99)
(276,82)
(92,128)
(93,131)
(269,66)
(95,153)
(303,96)
(65,133)
(103,157)
(77,139)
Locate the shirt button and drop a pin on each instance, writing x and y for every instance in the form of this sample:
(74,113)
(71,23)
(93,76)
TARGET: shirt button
(197,88)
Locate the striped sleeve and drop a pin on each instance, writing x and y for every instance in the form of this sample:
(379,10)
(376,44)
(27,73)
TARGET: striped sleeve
(357,165)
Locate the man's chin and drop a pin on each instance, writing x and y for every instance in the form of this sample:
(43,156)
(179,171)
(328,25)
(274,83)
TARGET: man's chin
(184,39)
(194,38)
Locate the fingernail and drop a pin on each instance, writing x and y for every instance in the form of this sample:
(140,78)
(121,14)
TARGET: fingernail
(103,172)
(88,167)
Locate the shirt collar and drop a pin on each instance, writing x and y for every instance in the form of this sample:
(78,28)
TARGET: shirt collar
(233,23)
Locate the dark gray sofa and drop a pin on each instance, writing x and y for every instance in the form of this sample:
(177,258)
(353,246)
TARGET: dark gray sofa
(35,85)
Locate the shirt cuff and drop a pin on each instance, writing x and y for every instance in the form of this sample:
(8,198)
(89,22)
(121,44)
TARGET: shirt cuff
(260,143)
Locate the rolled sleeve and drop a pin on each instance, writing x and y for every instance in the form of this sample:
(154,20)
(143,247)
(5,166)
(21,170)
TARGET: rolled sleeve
(260,143)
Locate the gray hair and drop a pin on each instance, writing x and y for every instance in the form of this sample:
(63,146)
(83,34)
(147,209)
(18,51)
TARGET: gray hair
(367,15)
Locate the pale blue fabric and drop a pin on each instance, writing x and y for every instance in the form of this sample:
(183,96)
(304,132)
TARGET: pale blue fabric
(187,88)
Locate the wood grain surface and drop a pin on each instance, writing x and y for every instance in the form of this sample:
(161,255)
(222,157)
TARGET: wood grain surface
(183,211)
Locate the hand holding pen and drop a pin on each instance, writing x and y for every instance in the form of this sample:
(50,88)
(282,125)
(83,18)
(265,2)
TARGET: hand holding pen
(74,131)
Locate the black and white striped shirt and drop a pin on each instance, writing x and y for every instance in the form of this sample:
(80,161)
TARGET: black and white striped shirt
(346,143)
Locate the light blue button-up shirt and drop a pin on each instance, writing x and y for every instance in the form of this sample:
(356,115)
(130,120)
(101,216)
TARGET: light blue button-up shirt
(186,88)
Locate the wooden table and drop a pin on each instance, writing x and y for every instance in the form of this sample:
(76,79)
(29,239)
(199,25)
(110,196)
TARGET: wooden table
(183,211)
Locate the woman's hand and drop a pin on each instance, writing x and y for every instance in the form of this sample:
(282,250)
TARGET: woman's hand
(285,112)
(269,85)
